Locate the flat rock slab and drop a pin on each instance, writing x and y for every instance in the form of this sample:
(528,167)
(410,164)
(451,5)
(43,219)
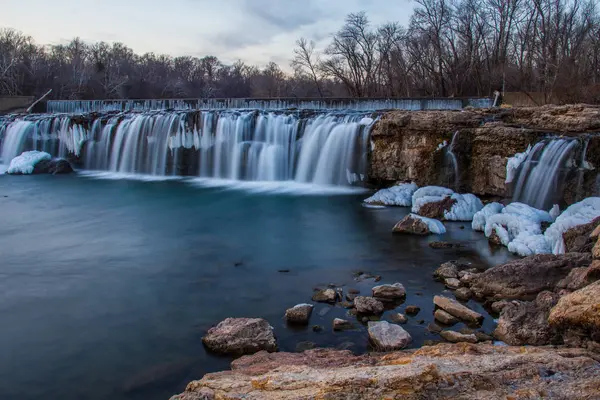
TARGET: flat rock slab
(457,337)
(386,336)
(456,309)
(240,336)
(445,318)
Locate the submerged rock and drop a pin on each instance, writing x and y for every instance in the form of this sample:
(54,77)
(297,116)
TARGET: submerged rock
(341,324)
(368,305)
(398,318)
(299,314)
(445,245)
(325,296)
(389,292)
(412,310)
(442,371)
(456,309)
(240,336)
(54,166)
(387,337)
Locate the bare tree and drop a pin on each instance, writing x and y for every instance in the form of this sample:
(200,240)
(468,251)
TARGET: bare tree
(307,60)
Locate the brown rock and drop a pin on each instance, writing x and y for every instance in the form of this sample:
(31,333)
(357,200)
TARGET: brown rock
(577,315)
(411,225)
(368,305)
(498,306)
(240,336)
(580,277)
(446,270)
(341,324)
(578,239)
(455,337)
(299,314)
(387,337)
(452,283)
(325,296)
(436,209)
(445,318)
(445,245)
(595,233)
(526,323)
(453,307)
(525,278)
(463,294)
(389,292)
(443,371)
(412,310)
(399,318)
(596,249)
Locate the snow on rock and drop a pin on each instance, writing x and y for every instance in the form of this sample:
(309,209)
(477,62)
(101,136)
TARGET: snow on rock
(434,225)
(555,211)
(513,164)
(429,194)
(528,211)
(399,195)
(577,214)
(366,121)
(25,163)
(481,216)
(526,244)
(466,206)
(508,226)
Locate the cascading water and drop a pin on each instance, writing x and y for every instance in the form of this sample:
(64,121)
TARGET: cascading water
(542,174)
(451,160)
(324,149)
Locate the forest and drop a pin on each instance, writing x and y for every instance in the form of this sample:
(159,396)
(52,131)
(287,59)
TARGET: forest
(450,48)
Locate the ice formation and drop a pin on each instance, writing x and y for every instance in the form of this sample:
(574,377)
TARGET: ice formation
(513,164)
(429,194)
(577,214)
(25,163)
(434,225)
(481,216)
(399,195)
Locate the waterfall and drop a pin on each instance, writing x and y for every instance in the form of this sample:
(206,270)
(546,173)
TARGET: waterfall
(452,161)
(242,145)
(542,174)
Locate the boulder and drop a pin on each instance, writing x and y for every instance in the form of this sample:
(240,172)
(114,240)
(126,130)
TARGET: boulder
(580,277)
(456,309)
(299,314)
(456,337)
(446,270)
(577,315)
(526,323)
(389,292)
(240,336)
(412,225)
(341,324)
(325,296)
(54,166)
(445,318)
(579,238)
(436,209)
(524,278)
(368,305)
(452,283)
(385,336)
(596,250)
(463,294)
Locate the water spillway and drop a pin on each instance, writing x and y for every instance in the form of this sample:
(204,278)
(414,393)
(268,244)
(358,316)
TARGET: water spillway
(248,145)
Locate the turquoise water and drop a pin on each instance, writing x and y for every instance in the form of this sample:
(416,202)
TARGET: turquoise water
(107,286)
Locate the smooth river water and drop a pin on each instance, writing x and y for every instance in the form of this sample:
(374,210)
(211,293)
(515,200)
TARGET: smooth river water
(107,286)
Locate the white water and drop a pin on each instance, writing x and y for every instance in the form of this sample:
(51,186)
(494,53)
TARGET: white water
(452,161)
(323,149)
(542,174)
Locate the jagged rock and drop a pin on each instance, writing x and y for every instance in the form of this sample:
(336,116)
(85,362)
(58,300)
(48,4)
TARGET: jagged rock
(389,292)
(445,318)
(387,337)
(453,307)
(240,336)
(463,294)
(446,270)
(456,337)
(54,166)
(577,316)
(399,318)
(477,371)
(299,314)
(467,278)
(578,239)
(524,278)
(412,310)
(411,225)
(526,323)
(325,296)
(368,305)
(498,306)
(452,283)
(580,277)
(436,209)
(341,324)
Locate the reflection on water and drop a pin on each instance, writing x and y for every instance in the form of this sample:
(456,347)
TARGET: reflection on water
(107,286)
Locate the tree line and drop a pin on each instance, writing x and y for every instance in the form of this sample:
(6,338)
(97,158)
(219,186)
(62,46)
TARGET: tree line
(449,48)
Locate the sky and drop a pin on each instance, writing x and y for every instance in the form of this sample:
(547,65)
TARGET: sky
(255,31)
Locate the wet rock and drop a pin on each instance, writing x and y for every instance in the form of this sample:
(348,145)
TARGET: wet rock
(412,310)
(385,336)
(368,305)
(456,337)
(445,245)
(452,283)
(435,328)
(350,296)
(463,294)
(347,304)
(411,225)
(579,238)
(526,323)
(353,291)
(299,314)
(317,328)
(389,292)
(467,278)
(240,336)
(54,167)
(436,209)
(341,325)
(580,277)
(524,278)
(325,296)
(445,318)
(456,309)
(498,306)
(324,311)
(446,270)
(303,346)
(345,346)
(398,318)
(465,272)
(577,316)
(483,337)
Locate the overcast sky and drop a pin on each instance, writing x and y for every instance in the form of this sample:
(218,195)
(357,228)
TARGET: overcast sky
(256,31)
